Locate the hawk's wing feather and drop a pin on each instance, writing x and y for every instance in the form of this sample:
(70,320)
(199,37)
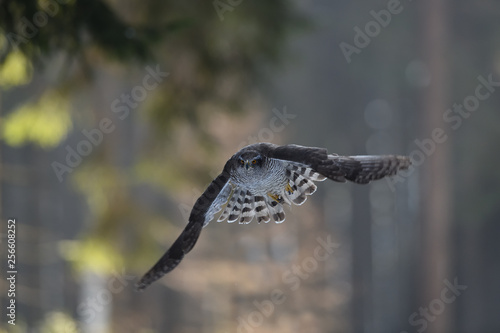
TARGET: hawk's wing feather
(300,185)
(363,169)
(248,211)
(261,209)
(235,205)
(358,169)
(230,204)
(208,204)
(275,210)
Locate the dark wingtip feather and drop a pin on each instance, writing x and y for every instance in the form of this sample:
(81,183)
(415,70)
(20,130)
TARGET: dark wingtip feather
(172,257)
(376,167)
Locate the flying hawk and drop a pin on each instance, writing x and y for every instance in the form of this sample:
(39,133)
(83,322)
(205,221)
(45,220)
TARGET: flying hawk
(259,179)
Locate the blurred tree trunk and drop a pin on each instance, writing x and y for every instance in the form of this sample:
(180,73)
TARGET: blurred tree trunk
(362,320)
(435,170)
(1,171)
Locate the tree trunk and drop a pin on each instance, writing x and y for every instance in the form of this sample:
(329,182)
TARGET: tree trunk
(435,170)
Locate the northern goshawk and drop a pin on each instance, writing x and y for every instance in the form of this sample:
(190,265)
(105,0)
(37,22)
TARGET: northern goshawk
(259,179)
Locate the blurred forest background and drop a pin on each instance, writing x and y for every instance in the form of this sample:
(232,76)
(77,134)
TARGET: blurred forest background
(115,115)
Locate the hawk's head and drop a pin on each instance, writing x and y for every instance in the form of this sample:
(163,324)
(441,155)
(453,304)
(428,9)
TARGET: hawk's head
(249,160)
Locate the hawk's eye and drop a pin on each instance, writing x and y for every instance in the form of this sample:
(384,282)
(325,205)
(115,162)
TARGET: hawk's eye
(254,162)
(242,162)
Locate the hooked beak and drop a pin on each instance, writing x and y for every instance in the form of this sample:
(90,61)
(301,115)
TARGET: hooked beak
(247,164)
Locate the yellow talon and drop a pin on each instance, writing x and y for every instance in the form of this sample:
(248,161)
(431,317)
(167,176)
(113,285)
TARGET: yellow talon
(275,197)
(288,188)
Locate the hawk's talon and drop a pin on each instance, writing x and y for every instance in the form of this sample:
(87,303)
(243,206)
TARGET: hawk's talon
(276,197)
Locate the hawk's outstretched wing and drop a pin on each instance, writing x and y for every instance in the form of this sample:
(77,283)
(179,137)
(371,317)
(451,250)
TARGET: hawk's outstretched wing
(358,169)
(208,204)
